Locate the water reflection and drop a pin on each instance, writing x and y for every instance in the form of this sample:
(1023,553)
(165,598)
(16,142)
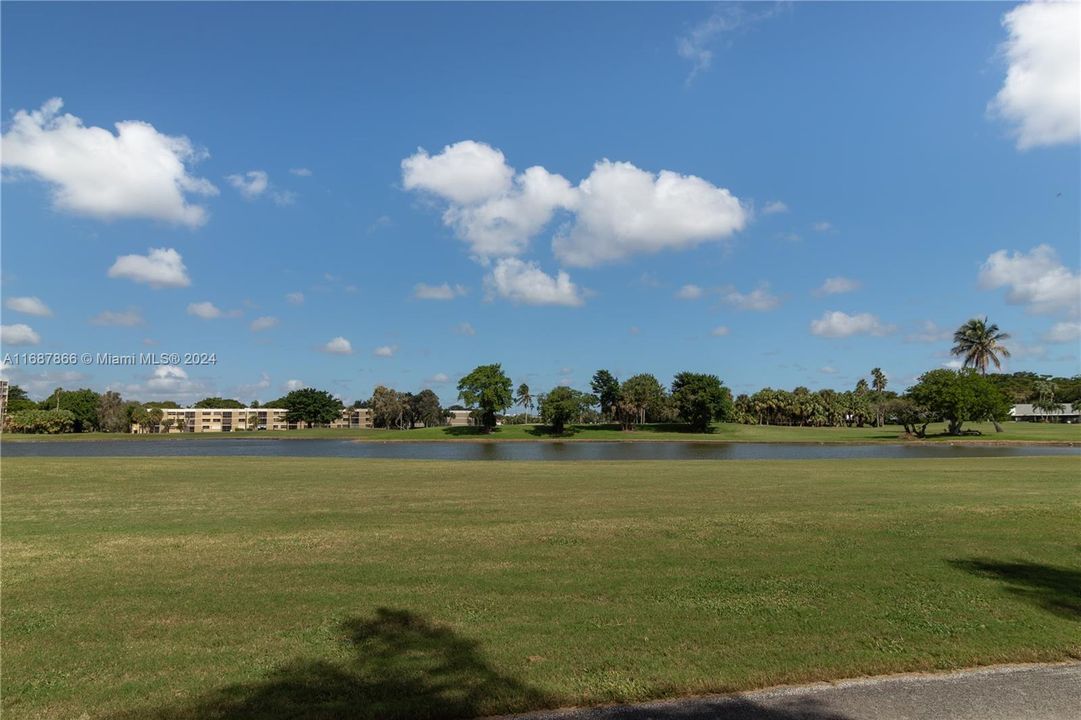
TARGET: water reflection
(462,450)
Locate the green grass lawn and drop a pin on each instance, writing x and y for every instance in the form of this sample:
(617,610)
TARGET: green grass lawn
(722,432)
(330,588)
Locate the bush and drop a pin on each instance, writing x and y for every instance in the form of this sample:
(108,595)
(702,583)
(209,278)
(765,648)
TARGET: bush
(51,422)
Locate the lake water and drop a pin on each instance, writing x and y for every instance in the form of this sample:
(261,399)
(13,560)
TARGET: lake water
(550,450)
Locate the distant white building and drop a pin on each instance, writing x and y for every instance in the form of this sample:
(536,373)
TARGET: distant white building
(1026,412)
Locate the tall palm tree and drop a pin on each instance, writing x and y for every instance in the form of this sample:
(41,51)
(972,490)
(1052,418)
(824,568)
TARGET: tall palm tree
(979,342)
(524,399)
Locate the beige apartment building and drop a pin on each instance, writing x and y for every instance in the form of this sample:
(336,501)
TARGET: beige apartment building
(242,419)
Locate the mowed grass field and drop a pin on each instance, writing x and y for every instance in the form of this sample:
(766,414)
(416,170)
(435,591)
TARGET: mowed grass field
(721,432)
(334,588)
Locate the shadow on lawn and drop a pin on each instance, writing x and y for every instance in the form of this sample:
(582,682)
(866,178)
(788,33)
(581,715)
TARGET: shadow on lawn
(402,666)
(1056,589)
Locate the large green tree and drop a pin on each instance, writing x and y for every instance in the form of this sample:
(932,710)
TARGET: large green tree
(562,405)
(979,343)
(112,415)
(488,389)
(959,396)
(639,396)
(308,405)
(701,399)
(426,409)
(605,386)
(219,402)
(83,405)
(19,400)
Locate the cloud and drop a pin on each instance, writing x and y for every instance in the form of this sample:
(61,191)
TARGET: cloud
(137,172)
(1041,97)
(836,324)
(438,379)
(955,364)
(128,318)
(828,370)
(624,211)
(837,286)
(438,292)
(18,334)
(283,198)
(263,323)
(719,331)
(822,226)
(524,282)
(28,306)
(251,184)
(619,210)
(159,268)
(725,19)
(634,330)
(930,333)
(291,385)
(295,298)
(385,351)
(301,172)
(466,172)
(1064,332)
(465,329)
(338,346)
(170,382)
(1036,280)
(690,292)
(204,310)
(760,299)
(774,207)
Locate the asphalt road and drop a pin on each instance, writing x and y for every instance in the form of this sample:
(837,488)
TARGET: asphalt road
(1016,692)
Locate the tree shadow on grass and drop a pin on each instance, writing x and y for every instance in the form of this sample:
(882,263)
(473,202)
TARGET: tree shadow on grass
(469,431)
(1055,589)
(402,666)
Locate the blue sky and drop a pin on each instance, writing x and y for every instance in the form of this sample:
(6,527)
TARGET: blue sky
(750,152)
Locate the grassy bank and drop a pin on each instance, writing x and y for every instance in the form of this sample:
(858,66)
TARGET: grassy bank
(721,432)
(273,588)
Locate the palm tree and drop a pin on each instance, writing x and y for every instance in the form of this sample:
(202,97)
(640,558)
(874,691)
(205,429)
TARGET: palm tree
(524,399)
(878,384)
(979,342)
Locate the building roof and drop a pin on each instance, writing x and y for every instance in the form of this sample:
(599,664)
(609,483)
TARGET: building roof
(1028,409)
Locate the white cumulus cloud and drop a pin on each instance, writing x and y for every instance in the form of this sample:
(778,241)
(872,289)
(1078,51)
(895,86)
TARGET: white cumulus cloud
(291,385)
(138,172)
(385,351)
(690,292)
(524,282)
(465,329)
(251,184)
(465,172)
(1036,280)
(837,285)
(774,207)
(28,306)
(1041,97)
(835,324)
(624,211)
(338,346)
(421,291)
(438,379)
(263,323)
(126,318)
(205,310)
(295,298)
(719,331)
(18,334)
(159,268)
(760,299)
(617,211)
